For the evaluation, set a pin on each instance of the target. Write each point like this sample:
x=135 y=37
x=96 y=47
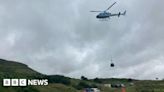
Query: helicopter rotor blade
x=95 y=11
x=111 y=6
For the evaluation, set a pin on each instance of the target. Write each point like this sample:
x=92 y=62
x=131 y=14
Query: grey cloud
x=63 y=37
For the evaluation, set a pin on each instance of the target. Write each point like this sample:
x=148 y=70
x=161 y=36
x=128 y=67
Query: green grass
x=56 y=88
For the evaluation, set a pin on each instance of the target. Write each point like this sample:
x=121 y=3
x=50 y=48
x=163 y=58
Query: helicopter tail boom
x=119 y=14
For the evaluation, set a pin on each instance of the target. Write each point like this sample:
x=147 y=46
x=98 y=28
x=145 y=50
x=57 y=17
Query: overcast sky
x=63 y=37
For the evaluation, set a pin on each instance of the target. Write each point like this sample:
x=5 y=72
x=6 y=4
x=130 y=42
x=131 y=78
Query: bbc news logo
x=25 y=82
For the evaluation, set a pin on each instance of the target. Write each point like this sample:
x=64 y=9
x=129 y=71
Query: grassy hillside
x=11 y=69
x=58 y=83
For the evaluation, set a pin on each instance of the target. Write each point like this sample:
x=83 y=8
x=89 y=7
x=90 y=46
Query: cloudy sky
x=63 y=37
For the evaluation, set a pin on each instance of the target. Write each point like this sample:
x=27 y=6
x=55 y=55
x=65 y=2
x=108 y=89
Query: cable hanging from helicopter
x=112 y=64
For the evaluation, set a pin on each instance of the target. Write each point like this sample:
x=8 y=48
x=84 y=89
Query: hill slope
x=11 y=69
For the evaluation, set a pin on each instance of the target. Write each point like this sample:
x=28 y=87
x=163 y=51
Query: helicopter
x=104 y=14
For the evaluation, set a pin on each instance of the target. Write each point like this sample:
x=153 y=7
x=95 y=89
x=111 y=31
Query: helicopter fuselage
x=103 y=15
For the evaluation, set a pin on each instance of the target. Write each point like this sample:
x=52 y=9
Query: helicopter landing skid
x=105 y=19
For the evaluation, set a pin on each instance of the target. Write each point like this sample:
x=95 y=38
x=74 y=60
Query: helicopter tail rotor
x=124 y=13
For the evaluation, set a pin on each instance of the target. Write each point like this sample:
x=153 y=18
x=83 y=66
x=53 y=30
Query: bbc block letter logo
x=14 y=82
x=6 y=82
x=22 y=82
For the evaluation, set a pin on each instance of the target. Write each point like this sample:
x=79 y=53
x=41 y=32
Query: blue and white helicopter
x=105 y=14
